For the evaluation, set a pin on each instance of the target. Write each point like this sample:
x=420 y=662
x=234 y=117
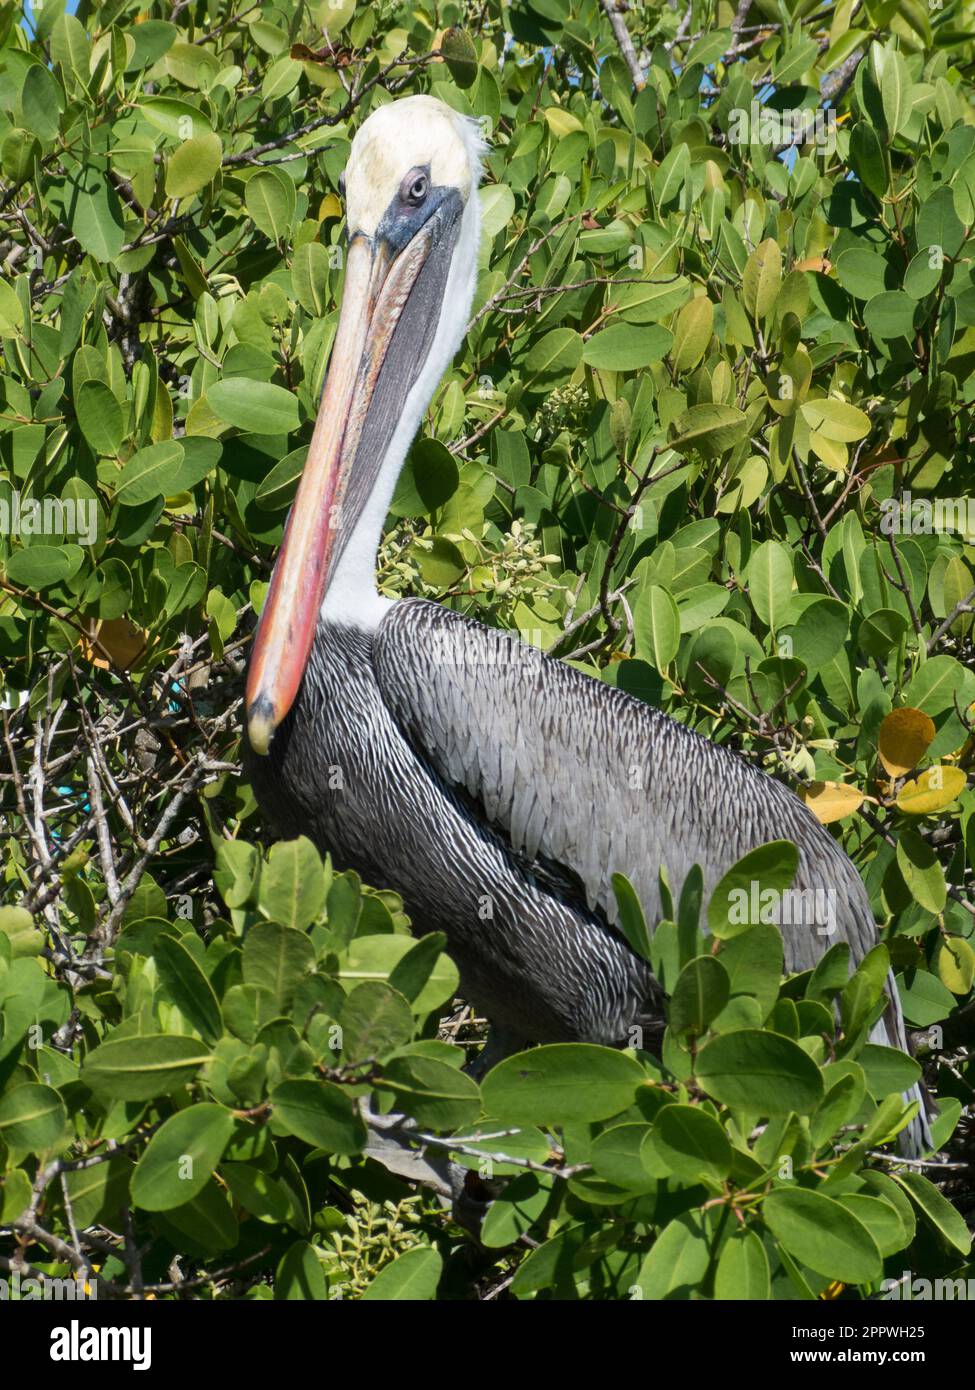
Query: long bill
x=377 y=287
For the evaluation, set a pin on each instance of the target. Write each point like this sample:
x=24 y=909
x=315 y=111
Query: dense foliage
x=709 y=437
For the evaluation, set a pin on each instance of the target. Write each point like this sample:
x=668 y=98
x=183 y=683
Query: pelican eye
x=414 y=188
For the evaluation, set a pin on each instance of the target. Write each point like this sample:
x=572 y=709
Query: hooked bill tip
x=261 y=725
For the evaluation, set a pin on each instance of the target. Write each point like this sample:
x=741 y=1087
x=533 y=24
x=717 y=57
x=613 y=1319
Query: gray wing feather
x=594 y=780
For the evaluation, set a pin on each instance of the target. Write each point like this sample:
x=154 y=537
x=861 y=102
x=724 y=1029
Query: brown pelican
x=495 y=789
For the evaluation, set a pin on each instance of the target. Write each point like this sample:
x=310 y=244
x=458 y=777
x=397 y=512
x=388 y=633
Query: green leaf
x=743 y=1272
x=924 y=999
x=437 y=1095
x=656 y=627
x=206 y=1223
x=178 y=119
x=819 y=632
x=881 y=1219
x=236 y=871
x=863 y=273
x=259 y=407
x=270 y=198
x=670 y=177
x=258 y=1192
x=151 y=472
x=938 y=684
x=96 y=215
x=42 y=101
x=40 y=566
x=617 y=1156
x=923 y=275
x=762 y=278
x=936 y=1209
x=770 y=583
x=17 y=926
x=292 y=887
x=692 y=333
x=837 y=1107
x=299 y=1275
x=562 y=1083
x=321 y=1114
x=625 y=347
x=141 y=1068
x=442 y=563
x=701 y=992
x=11 y=311
x=515 y=1210
x=412 y=1276
x=375 y=1019
x=895 y=92
x=692 y=1144
x=921 y=870
x=414 y=971
x=193 y=165
x=70 y=47
x=632 y=922
x=867 y=158
x=938 y=224
x=888 y=1070
x=281 y=78
x=429 y=479
x=98 y=1193
x=100 y=416
x=309 y=275
x=678 y=1261
x=32 y=1117
x=822 y=1235
x=713 y=429
x=189 y=989
x=378 y=957
x=751 y=892
x=836 y=420
x=890 y=315
x=460 y=55
x=181 y=1157
x=761 y=1072
x=277 y=958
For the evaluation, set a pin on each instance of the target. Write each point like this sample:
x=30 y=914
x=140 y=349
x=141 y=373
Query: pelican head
x=412 y=225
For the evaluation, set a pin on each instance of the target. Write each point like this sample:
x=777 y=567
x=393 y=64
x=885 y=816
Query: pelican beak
x=390 y=310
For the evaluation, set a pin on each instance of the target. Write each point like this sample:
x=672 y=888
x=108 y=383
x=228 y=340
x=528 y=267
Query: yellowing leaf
x=761 y=278
x=831 y=801
x=936 y=788
x=193 y=165
x=956 y=965
x=829 y=451
x=836 y=420
x=117 y=642
x=904 y=737
x=561 y=123
x=692 y=333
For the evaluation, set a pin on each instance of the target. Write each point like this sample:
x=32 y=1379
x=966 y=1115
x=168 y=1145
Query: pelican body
x=495 y=789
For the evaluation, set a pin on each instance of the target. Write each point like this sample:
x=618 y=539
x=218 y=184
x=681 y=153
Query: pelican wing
x=579 y=773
